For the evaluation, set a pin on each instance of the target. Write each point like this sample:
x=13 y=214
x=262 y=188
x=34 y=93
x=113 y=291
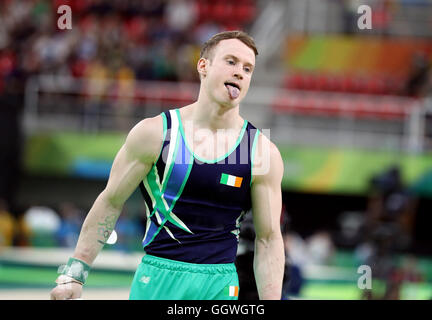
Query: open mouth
x=233 y=89
x=232 y=84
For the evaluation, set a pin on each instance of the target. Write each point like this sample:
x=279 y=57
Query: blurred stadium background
x=350 y=110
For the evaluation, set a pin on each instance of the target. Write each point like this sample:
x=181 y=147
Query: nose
x=238 y=74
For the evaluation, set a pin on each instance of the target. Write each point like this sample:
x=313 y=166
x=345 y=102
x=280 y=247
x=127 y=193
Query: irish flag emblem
x=232 y=291
x=230 y=180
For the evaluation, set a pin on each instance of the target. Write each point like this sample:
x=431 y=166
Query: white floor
x=44 y=294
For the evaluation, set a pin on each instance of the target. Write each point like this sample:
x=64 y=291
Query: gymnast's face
x=226 y=74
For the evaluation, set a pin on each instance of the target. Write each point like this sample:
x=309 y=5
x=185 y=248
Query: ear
x=202 y=66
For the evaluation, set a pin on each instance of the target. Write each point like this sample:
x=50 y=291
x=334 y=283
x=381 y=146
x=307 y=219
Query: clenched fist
x=67 y=288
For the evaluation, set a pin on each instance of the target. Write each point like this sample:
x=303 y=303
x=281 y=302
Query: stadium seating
x=242 y=12
x=377 y=84
x=362 y=78
x=315 y=103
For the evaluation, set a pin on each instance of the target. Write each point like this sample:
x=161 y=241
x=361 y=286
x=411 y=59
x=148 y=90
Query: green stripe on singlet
x=156 y=190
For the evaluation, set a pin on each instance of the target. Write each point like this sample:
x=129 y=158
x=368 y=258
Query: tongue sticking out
x=233 y=91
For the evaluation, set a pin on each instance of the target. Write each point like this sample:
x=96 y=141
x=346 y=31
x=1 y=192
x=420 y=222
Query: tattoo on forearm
x=105 y=228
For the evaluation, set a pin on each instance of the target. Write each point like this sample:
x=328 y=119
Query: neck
x=210 y=114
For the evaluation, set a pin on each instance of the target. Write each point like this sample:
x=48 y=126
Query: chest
x=211 y=144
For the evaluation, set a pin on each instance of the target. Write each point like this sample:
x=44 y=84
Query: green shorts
x=164 y=279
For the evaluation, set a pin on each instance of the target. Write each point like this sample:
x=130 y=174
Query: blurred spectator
x=205 y=31
x=418 y=83
x=410 y=270
x=398 y=276
x=391 y=210
x=187 y=57
x=393 y=288
x=296 y=258
x=110 y=42
x=350 y=227
x=7 y=225
x=11 y=135
x=128 y=231
x=350 y=15
x=387 y=229
x=297 y=248
x=125 y=77
x=71 y=221
x=363 y=252
x=180 y=14
x=22 y=231
x=44 y=223
x=320 y=248
x=382 y=15
x=106 y=30
x=97 y=86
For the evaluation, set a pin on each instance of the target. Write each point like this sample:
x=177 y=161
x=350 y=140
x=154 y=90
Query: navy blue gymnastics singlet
x=195 y=206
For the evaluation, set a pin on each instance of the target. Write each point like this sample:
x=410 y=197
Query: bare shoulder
x=266 y=144
x=268 y=163
x=144 y=140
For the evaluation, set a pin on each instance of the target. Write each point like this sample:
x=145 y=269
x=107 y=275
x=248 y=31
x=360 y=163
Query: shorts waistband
x=175 y=265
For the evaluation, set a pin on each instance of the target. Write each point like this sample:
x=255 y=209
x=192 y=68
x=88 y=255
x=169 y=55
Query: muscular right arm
x=131 y=164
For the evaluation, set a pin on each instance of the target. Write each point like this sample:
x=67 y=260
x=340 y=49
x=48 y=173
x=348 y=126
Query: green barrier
x=43 y=239
x=43 y=277
x=57 y=153
x=307 y=169
x=348 y=171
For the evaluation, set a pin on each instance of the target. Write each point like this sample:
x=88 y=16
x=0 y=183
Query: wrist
x=75 y=269
x=63 y=279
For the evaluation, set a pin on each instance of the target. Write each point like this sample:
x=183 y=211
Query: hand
x=67 y=288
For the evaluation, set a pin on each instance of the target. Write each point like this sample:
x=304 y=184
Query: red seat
x=294 y=81
x=244 y=13
x=221 y=12
x=204 y=11
x=322 y=82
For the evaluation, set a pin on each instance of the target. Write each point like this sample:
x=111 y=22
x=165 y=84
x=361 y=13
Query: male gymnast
x=200 y=168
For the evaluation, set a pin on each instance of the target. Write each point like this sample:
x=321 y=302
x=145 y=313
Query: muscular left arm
x=269 y=259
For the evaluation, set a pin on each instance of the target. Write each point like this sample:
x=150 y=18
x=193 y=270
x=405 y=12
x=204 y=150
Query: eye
x=248 y=70
x=231 y=62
